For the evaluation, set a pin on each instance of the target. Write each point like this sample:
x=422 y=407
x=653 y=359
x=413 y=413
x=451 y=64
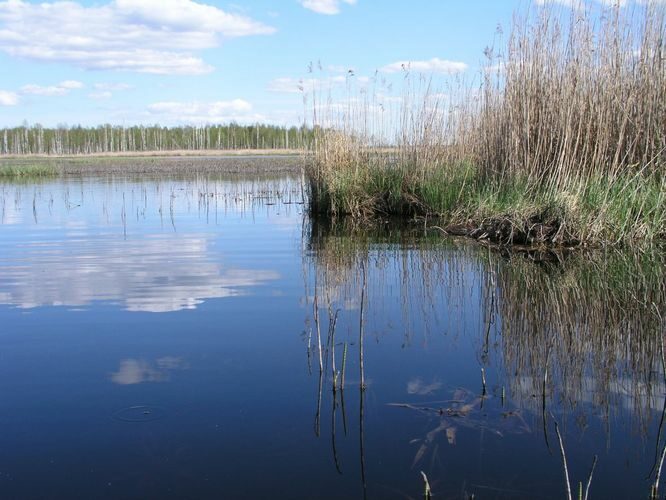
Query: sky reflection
x=70 y=244
x=137 y=371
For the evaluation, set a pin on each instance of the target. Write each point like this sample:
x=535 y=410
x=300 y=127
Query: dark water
x=159 y=339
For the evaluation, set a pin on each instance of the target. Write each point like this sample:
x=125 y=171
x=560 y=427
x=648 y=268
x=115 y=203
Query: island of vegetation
x=563 y=142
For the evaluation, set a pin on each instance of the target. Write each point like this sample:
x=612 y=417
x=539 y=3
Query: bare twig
x=589 y=479
x=564 y=460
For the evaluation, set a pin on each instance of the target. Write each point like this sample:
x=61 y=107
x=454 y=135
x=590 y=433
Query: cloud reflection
x=136 y=371
x=158 y=274
x=417 y=386
x=148 y=245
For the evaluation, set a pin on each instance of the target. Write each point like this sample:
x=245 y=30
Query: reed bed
x=563 y=141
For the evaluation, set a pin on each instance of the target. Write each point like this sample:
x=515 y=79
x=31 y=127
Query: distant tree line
x=35 y=139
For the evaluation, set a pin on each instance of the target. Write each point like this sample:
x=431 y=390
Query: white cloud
x=104 y=90
x=580 y=4
x=101 y=95
x=236 y=105
x=572 y=4
x=189 y=16
x=146 y=36
x=8 y=98
x=499 y=68
x=298 y=85
x=329 y=7
x=63 y=88
x=434 y=65
x=71 y=84
x=387 y=99
x=112 y=86
x=196 y=112
x=33 y=89
x=286 y=85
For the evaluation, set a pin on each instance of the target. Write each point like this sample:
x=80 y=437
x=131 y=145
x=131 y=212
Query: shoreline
x=160 y=154
x=172 y=162
x=502 y=229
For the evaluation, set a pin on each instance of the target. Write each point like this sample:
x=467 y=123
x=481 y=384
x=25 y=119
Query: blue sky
x=190 y=62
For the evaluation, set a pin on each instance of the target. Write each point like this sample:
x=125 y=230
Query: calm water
x=160 y=338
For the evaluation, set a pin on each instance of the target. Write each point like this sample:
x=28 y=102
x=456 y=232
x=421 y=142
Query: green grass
x=594 y=210
x=27 y=171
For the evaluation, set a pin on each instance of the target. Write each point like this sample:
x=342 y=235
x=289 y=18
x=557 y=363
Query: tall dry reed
x=577 y=98
x=566 y=131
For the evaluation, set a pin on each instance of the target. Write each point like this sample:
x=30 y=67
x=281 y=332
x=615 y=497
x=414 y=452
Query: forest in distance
x=64 y=140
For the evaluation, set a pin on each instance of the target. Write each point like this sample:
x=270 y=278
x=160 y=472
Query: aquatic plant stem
x=543 y=399
x=362 y=441
x=333 y=426
x=564 y=461
x=589 y=478
x=332 y=321
x=427 y=492
x=344 y=364
x=655 y=487
x=361 y=321
x=315 y=307
x=317 y=421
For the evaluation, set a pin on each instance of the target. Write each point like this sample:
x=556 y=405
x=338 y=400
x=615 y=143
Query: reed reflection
x=575 y=336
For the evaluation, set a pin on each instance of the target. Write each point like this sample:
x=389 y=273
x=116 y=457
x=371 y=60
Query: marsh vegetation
x=26 y=170
x=562 y=141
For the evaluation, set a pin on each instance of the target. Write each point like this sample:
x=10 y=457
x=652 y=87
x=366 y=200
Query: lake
x=173 y=336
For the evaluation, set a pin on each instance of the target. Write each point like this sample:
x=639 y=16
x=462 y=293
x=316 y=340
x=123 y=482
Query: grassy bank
x=509 y=210
x=562 y=143
x=27 y=171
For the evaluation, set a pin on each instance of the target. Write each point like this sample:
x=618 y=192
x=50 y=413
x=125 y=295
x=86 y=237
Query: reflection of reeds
x=592 y=318
x=361 y=440
x=659 y=459
x=582 y=331
x=327 y=354
x=361 y=325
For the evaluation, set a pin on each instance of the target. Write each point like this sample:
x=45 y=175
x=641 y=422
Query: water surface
x=161 y=339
